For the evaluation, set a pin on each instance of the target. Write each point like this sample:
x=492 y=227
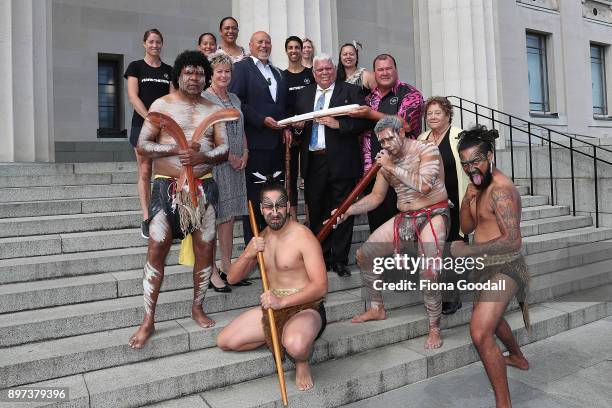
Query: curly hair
x=478 y=136
x=443 y=103
x=220 y=58
x=194 y=58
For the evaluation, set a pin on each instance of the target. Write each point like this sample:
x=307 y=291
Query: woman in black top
x=439 y=114
x=147 y=80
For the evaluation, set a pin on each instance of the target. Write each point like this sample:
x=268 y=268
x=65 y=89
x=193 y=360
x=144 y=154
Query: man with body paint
x=414 y=169
x=171 y=215
x=298 y=286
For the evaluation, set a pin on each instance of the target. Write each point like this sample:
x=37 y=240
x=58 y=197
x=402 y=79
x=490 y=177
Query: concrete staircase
x=71 y=295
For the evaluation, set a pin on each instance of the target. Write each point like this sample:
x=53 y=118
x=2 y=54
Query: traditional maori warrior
x=298 y=285
x=491 y=209
x=184 y=193
x=413 y=168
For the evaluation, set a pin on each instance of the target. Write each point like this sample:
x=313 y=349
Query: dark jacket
x=341 y=145
x=252 y=88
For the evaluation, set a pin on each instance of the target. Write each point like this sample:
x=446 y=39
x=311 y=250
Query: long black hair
x=341 y=70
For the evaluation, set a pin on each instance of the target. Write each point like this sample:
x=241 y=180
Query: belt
x=317 y=152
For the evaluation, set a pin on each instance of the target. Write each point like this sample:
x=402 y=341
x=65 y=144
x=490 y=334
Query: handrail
x=523 y=120
x=526 y=127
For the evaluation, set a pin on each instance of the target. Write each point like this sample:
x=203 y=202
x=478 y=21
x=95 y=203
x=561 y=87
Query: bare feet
x=519 y=362
x=200 y=317
x=303 y=379
x=139 y=339
x=374 y=313
x=434 y=339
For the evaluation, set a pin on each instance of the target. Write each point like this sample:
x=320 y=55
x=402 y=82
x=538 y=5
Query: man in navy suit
x=330 y=160
x=263 y=93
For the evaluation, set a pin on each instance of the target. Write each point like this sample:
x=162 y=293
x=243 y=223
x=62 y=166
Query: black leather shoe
x=243 y=282
x=222 y=289
x=449 y=308
x=341 y=269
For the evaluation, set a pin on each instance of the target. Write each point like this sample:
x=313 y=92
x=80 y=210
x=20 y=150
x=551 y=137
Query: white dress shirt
x=321 y=132
x=266 y=71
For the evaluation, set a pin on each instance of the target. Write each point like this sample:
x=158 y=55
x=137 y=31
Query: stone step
x=108 y=231
x=58 y=358
x=373 y=372
x=50 y=169
x=543 y=211
x=67 y=207
x=351 y=362
x=64 y=291
x=68 y=180
x=72 y=320
x=10 y=195
x=93 y=316
x=58 y=224
x=85 y=263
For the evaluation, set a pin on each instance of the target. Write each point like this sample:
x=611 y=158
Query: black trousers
x=323 y=194
x=265 y=162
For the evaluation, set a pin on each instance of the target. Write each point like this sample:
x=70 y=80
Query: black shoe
x=243 y=282
x=449 y=308
x=341 y=269
x=144 y=229
x=222 y=289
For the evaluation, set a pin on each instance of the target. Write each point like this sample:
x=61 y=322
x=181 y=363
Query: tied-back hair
x=341 y=70
x=478 y=136
x=272 y=183
x=147 y=33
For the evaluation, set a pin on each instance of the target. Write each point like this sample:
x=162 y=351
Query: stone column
x=455 y=49
x=26 y=79
x=315 y=19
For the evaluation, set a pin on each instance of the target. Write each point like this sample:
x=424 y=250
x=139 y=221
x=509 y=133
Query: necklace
x=437 y=140
x=227 y=98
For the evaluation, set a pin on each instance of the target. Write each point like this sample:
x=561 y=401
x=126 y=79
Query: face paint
x=192 y=79
x=473 y=168
x=391 y=141
x=275 y=212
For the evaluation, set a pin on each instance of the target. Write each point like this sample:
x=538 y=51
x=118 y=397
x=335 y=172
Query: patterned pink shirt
x=403 y=100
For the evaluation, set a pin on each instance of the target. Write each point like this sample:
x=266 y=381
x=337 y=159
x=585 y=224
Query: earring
x=491 y=166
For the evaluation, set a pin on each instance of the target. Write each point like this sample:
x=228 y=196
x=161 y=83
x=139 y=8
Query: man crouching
x=298 y=286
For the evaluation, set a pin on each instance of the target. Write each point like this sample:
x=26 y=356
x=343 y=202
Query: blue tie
x=314 y=137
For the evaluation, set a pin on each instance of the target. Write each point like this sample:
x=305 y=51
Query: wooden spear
x=275 y=343
x=363 y=183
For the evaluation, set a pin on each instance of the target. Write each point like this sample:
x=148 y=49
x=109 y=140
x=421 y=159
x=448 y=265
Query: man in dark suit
x=263 y=93
x=330 y=161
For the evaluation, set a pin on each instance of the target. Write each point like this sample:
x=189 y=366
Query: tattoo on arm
x=505 y=202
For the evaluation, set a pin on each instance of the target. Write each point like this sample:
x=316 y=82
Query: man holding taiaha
x=414 y=169
x=298 y=285
x=172 y=212
x=491 y=209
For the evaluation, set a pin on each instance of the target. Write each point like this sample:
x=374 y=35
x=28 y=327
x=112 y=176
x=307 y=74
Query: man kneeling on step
x=298 y=286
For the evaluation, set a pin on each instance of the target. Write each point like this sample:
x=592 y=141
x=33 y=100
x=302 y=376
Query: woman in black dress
x=147 y=80
x=439 y=114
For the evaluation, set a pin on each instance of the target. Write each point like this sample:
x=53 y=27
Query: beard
x=480 y=180
x=276 y=222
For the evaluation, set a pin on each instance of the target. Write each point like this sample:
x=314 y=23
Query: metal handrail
x=548 y=139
